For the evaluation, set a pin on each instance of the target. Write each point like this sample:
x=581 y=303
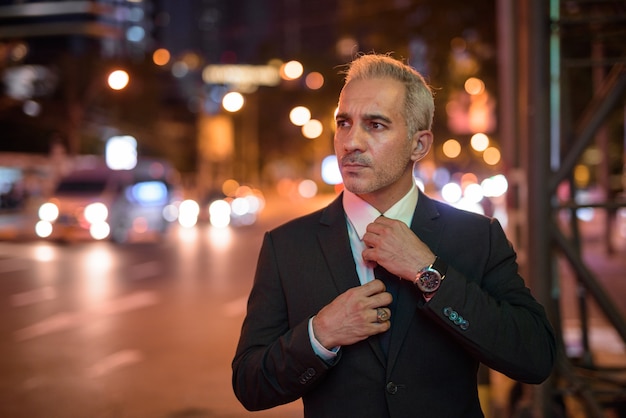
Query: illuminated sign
x=245 y=75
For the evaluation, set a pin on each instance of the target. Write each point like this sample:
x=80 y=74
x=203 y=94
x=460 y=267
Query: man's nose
x=355 y=138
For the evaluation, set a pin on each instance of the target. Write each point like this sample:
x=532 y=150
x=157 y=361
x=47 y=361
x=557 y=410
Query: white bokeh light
x=299 y=115
x=219 y=212
x=121 y=152
x=330 y=170
x=233 y=101
x=451 y=192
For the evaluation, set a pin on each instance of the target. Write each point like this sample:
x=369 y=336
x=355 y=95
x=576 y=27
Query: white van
x=95 y=202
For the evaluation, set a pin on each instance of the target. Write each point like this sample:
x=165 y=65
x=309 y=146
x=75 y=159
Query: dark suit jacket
x=482 y=313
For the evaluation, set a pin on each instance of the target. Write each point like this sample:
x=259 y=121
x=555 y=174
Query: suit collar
x=335 y=245
x=426 y=224
x=426 y=211
x=361 y=214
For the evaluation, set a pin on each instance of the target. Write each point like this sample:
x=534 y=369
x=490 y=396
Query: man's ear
x=422 y=141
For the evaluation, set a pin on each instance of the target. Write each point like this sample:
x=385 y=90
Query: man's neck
x=382 y=200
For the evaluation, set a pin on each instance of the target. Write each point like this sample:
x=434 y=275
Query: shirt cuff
x=322 y=352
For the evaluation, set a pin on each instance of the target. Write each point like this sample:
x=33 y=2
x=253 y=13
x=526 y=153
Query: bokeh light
x=451 y=192
x=299 y=115
x=121 y=152
x=307 y=188
x=99 y=230
x=188 y=212
x=291 y=70
x=330 y=170
x=582 y=175
x=495 y=186
x=312 y=129
x=467 y=179
x=219 y=212
x=229 y=187
x=492 y=156
x=31 y=108
x=479 y=142
x=451 y=148
x=233 y=101
x=474 y=86
x=473 y=193
x=43 y=229
x=314 y=80
x=135 y=33
x=118 y=79
x=96 y=212
x=161 y=57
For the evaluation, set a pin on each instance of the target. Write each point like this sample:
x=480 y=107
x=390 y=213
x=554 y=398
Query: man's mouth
x=352 y=162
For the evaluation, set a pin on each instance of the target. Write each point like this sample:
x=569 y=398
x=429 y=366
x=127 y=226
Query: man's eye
x=342 y=123
x=376 y=125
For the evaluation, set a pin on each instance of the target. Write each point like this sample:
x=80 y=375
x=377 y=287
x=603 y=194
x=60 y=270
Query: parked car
x=99 y=203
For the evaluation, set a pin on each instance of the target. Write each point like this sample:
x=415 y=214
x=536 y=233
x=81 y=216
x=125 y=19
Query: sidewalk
x=609 y=273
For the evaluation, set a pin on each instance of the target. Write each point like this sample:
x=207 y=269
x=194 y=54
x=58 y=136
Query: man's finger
x=373 y=288
x=383 y=315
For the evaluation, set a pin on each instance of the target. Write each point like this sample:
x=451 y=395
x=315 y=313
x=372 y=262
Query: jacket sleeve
x=274 y=362
x=485 y=304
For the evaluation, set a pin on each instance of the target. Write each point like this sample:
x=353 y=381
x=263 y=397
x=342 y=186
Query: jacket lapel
x=335 y=245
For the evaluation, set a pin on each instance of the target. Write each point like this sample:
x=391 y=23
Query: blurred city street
x=91 y=329
x=94 y=329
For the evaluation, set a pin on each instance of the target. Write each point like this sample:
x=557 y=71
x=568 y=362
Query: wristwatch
x=429 y=278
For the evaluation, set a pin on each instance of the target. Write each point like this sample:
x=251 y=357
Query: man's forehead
x=355 y=99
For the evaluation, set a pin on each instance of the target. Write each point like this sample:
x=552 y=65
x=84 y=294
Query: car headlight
x=96 y=212
x=48 y=212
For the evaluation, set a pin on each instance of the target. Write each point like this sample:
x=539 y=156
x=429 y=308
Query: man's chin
x=357 y=187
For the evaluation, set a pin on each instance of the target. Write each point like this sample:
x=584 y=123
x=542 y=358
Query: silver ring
x=381 y=315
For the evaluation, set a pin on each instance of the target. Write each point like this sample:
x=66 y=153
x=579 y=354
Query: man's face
x=372 y=143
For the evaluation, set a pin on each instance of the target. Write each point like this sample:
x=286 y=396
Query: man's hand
x=352 y=316
x=391 y=244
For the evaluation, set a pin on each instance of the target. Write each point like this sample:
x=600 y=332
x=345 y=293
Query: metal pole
x=538 y=169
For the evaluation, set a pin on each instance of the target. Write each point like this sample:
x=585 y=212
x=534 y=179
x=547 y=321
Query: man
x=321 y=324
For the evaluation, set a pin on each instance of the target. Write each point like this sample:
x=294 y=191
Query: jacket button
x=447 y=311
x=392 y=388
x=307 y=375
x=464 y=325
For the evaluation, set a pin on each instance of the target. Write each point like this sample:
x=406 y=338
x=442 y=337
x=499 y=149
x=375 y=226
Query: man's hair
x=419 y=102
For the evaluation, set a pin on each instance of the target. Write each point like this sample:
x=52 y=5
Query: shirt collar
x=360 y=213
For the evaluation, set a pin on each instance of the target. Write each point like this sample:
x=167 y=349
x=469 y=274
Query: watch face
x=429 y=281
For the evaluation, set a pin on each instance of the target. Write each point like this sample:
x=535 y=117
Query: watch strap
x=440 y=266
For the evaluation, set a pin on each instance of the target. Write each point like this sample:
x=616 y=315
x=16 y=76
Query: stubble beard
x=376 y=181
